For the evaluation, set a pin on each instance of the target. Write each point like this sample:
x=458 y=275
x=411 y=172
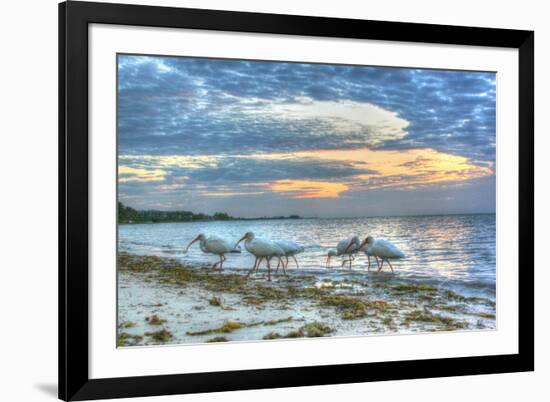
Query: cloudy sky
x=257 y=138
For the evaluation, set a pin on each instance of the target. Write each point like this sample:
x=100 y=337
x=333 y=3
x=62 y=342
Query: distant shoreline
x=276 y=218
x=129 y=215
x=309 y=217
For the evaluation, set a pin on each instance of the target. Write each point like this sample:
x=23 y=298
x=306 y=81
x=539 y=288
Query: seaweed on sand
x=350 y=308
x=275 y=322
x=215 y=301
x=412 y=288
x=444 y=322
x=272 y=335
x=217 y=339
x=230 y=326
x=128 y=262
x=126 y=339
x=154 y=320
x=259 y=294
x=306 y=292
x=161 y=336
x=315 y=329
x=311 y=330
x=353 y=308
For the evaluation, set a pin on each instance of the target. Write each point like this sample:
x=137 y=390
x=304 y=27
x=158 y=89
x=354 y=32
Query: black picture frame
x=74 y=18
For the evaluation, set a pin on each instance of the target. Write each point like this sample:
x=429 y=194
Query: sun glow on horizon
x=405 y=169
x=399 y=168
x=308 y=188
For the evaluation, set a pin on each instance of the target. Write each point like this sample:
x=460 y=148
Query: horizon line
x=289 y=216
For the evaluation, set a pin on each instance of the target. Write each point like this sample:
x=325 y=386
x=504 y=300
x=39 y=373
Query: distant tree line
x=275 y=217
x=128 y=214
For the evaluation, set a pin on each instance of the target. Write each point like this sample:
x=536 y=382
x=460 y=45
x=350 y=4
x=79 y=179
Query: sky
x=258 y=138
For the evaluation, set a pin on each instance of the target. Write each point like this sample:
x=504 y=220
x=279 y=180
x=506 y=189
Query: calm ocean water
x=455 y=251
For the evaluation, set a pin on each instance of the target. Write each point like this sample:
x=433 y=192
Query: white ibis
x=381 y=248
x=346 y=247
x=261 y=249
x=369 y=255
x=213 y=245
x=290 y=249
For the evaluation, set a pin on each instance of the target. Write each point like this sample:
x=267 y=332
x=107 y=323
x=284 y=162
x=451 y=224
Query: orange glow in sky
x=309 y=188
x=393 y=168
x=406 y=169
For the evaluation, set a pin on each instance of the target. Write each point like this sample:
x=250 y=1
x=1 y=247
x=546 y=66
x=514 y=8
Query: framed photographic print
x=258 y=201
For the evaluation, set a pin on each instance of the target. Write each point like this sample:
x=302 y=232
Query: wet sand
x=161 y=301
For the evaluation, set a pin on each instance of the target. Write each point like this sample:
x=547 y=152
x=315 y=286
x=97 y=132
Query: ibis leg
x=218 y=263
x=259 y=263
x=253 y=268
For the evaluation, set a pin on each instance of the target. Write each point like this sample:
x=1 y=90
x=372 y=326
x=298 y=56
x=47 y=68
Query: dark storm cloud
x=189 y=106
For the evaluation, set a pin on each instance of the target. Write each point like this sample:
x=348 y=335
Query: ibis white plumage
x=290 y=249
x=260 y=249
x=383 y=249
x=347 y=247
x=213 y=245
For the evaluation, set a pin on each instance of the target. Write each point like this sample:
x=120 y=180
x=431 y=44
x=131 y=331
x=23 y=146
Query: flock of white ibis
x=382 y=250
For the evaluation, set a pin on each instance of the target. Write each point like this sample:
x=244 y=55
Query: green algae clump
x=272 y=335
x=446 y=323
x=215 y=301
x=311 y=330
x=217 y=339
x=228 y=326
x=410 y=288
x=154 y=320
x=350 y=308
x=126 y=339
x=161 y=336
x=315 y=330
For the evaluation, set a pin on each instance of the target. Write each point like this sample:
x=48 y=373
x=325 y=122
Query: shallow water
x=457 y=251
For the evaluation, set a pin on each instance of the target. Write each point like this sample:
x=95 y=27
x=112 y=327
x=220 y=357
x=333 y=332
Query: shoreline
x=311 y=217
x=162 y=301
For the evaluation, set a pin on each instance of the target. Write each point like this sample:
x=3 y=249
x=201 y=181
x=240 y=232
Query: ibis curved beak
x=327 y=264
x=348 y=247
x=363 y=244
x=189 y=245
x=240 y=240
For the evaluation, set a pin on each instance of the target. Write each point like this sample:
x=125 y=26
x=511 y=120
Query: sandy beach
x=162 y=301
